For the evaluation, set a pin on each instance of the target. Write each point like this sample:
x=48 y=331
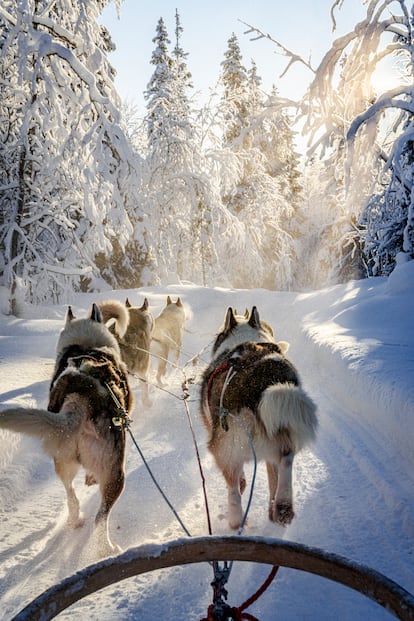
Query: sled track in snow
x=143 y=559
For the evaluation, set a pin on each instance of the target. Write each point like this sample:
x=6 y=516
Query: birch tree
x=63 y=201
x=388 y=218
x=345 y=122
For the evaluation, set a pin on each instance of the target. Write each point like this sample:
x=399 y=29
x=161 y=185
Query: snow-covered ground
x=354 y=489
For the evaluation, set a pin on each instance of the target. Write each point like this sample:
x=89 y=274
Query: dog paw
x=235 y=518
x=282 y=513
x=75 y=522
x=107 y=548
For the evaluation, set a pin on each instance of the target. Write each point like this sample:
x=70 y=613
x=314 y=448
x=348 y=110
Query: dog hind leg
x=280 y=488
x=234 y=482
x=111 y=488
x=146 y=401
x=67 y=471
x=162 y=364
x=272 y=478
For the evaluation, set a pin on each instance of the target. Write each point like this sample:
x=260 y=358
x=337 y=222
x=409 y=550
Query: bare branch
x=336 y=4
x=285 y=51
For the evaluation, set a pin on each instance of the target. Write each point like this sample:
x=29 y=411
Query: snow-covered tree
x=388 y=218
x=235 y=95
x=345 y=124
x=64 y=198
x=176 y=189
x=253 y=178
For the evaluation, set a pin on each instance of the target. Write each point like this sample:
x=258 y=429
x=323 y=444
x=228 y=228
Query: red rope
x=262 y=589
x=238 y=614
x=220 y=369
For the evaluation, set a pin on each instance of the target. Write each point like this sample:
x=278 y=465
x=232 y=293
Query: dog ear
x=246 y=314
x=169 y=301
x=145 y=304
x=128 y=303
x=69 y=315
x=254 y=320
x=96 y=314
x=283 y=346
x=178 y=302
x=230 y=320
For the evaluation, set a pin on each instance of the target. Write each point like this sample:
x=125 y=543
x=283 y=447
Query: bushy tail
x=287 y=406
x=112 y=309
x=40 y=423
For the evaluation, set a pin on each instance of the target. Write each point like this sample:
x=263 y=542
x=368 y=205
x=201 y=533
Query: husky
x=251 y=399
x=167 y=335
x=84 y=424
x=133 y=329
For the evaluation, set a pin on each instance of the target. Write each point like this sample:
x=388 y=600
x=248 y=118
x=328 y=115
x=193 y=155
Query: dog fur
x=79 y=427
x=264 y=401
x=135 y=340
x=167 y=336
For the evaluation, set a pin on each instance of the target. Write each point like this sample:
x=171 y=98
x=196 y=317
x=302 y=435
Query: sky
x=353 y=346
x=304 y=27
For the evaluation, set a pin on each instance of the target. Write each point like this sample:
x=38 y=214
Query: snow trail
x=352 y=489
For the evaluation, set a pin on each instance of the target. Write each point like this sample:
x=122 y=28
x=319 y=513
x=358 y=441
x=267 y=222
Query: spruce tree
x=177 y=191
x=252 y=189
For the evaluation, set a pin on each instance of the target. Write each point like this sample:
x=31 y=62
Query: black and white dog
x=251 y=390
x=82 y=425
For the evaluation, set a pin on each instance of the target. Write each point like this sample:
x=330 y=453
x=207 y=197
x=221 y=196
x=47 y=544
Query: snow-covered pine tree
x=177 y=191
x=262 y=255
x=63 y=198
x=235 y=96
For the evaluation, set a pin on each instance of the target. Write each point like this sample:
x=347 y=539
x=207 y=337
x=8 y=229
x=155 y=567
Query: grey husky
x=83 y=425
x=133 y=329
x=251 y=399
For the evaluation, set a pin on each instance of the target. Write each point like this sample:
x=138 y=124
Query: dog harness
x=105 y=370
x=240 y=358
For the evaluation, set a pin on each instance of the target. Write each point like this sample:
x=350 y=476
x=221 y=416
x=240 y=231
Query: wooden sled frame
x=146 y=558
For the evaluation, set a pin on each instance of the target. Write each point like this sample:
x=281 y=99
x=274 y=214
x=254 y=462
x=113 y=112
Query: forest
x=93 y=197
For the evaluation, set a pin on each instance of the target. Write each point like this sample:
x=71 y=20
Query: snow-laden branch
x=71 y=271
x=7 y=17
x=55 y=28
x=47 y=47
x=388 y=100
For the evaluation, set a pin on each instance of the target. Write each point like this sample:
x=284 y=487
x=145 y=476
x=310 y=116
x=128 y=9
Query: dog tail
x=112 y=309
x=40 y=423
x=287 y=407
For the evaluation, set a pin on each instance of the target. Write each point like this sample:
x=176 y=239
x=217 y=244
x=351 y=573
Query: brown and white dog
x=251 y=399
x=133 y=329
x=167 y=336
x=82 y=425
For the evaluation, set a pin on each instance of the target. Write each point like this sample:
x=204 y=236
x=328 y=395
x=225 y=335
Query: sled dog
x=82 y=426
x=251 y=397
x=167 y=335
x=135 y=340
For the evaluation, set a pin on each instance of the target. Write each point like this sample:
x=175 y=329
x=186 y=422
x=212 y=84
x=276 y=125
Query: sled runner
x=143 y=559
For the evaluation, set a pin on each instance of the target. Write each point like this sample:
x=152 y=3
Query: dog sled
x=276 y=552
